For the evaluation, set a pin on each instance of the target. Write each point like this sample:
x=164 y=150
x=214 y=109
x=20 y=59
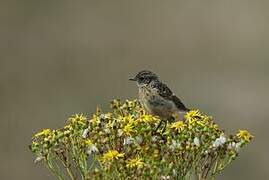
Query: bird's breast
x=155 y=104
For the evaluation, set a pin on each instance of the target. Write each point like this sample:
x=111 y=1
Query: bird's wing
x=165 y=92
x=179 y=104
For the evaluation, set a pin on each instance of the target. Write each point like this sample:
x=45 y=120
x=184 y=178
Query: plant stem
x=70 y=173
x=51 y=168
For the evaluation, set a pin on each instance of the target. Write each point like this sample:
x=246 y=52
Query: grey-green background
x=62 y=57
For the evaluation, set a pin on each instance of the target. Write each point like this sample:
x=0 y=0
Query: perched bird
x=156 y=98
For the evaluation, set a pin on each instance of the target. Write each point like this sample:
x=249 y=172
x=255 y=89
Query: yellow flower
x=88 y=143
x=201 y=123
x=95 y=119
x=147 y=118
x=131 y=103
x=44 y=132
x=111 y=155
x=107 y=115
x=78 y=118
x=245 y=135
x=67 y=127
x=126 y=119
x=193 y=115
x=115 y=104
x=156 y=153
x=179 y=126
x=128 y=129
x=136 y=162
x=215 y=127
x=129 y=119
x=110 y=124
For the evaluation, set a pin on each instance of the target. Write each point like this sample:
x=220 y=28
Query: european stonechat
x=156 y=98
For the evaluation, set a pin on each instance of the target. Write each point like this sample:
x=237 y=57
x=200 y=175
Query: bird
x=156 y=98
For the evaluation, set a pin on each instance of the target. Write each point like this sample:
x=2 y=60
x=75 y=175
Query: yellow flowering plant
x=123 y=144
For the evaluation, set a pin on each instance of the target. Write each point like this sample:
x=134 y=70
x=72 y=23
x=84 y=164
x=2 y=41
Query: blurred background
x=62 y=57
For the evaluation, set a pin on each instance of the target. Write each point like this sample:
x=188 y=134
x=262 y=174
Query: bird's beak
x=132 y=79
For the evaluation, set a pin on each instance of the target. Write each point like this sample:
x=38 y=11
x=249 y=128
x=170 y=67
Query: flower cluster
x=124 y=143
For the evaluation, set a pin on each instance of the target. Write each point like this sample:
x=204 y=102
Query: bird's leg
x=172 y=119
x=159 y=125
x=163 y=130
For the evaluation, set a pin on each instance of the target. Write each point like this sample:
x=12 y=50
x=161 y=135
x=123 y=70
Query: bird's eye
x=144 y=80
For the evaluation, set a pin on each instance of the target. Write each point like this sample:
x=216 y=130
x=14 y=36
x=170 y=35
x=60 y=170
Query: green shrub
x=122 y=144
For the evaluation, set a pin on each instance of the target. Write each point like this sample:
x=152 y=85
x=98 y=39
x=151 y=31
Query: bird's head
x=144 y=77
